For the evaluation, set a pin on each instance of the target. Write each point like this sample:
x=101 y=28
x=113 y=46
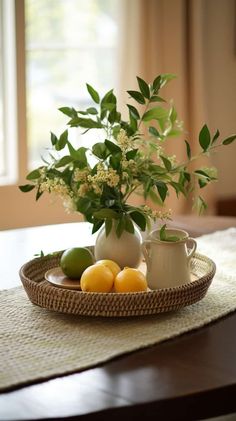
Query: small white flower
x=124 y=141
x=81 y=175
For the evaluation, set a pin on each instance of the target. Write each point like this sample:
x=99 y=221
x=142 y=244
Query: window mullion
x=21 y=88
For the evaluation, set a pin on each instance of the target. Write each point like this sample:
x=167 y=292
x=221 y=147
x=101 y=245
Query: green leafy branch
x=127 y=160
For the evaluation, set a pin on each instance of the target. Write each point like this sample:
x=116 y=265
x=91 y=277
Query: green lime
x=75 y=260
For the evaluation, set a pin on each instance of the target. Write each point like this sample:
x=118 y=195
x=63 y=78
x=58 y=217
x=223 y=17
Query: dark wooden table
x=188 y=378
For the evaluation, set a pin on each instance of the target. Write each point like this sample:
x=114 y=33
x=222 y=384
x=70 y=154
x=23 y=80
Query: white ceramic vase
x=126 y=250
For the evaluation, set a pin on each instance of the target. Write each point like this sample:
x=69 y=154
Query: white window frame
x=8 y=36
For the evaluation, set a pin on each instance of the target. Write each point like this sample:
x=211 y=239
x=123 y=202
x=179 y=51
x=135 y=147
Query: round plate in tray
x=66 y=300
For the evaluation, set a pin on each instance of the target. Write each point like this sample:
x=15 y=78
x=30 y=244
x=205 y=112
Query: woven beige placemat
x=36 y=344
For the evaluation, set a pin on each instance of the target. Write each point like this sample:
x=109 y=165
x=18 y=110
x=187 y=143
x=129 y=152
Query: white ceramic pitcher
x=168 y=263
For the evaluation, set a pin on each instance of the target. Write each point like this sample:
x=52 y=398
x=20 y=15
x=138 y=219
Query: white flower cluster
x=81 y=175
x=157 y=214
x=124 y=142
x=131 y=164
x=55 y=185
x=103 y=175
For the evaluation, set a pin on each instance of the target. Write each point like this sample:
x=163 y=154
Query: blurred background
x=50 y=49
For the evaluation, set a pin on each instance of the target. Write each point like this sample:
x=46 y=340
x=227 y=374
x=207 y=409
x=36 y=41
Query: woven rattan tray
x=46 y=295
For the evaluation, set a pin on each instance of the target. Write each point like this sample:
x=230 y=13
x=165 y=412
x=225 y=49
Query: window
x=68 y=43
x=60 y=45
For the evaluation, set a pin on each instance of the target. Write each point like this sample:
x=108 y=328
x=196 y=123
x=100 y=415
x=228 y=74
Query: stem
x=130 y=192
x=193 y=158
x=145 y=110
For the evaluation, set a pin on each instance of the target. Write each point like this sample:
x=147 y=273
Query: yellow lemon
x=97 y=278
x=75 y=260
x=130 y=280
x=113 y=266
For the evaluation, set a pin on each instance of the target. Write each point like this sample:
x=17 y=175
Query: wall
x=220 y=79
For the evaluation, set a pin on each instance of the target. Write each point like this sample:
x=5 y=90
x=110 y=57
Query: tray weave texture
x=38 y=344
x=44 y=294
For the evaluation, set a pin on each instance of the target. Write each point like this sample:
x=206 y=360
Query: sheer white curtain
x=166 y=36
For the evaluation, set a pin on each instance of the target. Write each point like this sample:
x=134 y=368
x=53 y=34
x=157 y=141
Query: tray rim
x=88 y=297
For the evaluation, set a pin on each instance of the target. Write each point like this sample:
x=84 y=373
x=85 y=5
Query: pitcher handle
x=193 y=248
x=145 y=250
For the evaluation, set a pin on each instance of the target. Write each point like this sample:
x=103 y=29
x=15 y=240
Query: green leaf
x=106 y=213
x=33 y=175
x=166 y=77
x=174 y=132
x=187 y=176
x=137 y=96
x=108 y=226
x=108 y=102
x=70 y=112
x=72 y=150
x=156 y=98
x=117 y=119
x=133 y=123
x=38 y=194
x=163 y=233
x=92 y=110
x=78 y=155
x=200 y=205
x=153 y=131
x=64 y=161
x=202 y=183
x=178 y=187
x=139 y=219
x=165 y=237
x=81 y=156
x=83 y=204
x=166 y=162
x=173 y=115
x=154 y=197
x=114 y=161
x=62 y=141
x=107 y=107
x=129 y=226
x=134 y=112
x=204 y=137
x=229 y=140
x=131 y=154
x=97 y=225
x=94 y=94
x=172 y=238
x=188 y=149
x=144 y=88
x=112 y=115
x=103 y=113
x=156 y=113
x=120 y=227
x=203 y=174
x=82 y=112
x=26 y=188
x=100 y=150
x=86 y=123
x=162 y=189
x=156 y=84
x=215 y=137
x=109 y=97
x=53 y=139
x=113 y=148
